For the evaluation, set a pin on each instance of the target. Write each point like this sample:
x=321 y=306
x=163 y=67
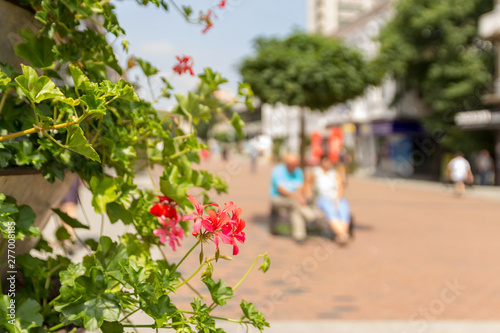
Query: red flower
x=206 y=18
x=185 y=65
x=166 y=207
x=171 y=229
x=222 y=4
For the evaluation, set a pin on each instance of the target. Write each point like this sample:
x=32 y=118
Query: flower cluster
x=166 y=213
x=207 y=20
x=224 y=224
x=185 y=65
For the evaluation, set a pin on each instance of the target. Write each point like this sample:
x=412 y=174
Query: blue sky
x=158 y=36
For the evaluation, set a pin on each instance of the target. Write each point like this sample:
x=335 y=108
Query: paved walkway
x=422 y=261
x=420 y=255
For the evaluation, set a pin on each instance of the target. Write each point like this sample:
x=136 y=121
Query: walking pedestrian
x=459 y=172
x=484 y=165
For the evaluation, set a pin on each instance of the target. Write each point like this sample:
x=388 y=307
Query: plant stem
x=189 y=278
x=131 y=313
x=41 y=129
x=248 y=271
x=185 y=151
x=58 y=326
x=4 y=98
x=47 y=281
x=181 y=278
x=150 y=89
x=102 y=225
x=185 y=256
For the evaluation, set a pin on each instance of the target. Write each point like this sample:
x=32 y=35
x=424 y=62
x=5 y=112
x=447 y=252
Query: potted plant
x=69 y=112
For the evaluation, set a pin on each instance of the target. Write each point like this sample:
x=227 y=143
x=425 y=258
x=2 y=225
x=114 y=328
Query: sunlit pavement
x=422 y=260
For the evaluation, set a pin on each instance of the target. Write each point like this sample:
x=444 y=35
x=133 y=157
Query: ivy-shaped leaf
x=253 y=315
x=94 y=104
x=104 y=191
x=147 y=68
x=4 y=80
x=218 y=290
x=37 y=89
x=95 y=305
x=26 y=315
x=37 y=50
x=77 y=142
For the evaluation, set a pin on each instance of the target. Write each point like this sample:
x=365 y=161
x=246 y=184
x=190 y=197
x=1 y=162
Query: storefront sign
x=478 y=119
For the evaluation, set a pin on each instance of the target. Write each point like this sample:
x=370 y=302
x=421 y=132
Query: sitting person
x=326 y=186
x=287 y=181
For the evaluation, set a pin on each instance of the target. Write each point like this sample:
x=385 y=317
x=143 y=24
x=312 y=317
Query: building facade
x=327 y=16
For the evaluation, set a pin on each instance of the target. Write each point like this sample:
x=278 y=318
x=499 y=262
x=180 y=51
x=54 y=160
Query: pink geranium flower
x=198 y=214
x=220 y=225
x=170 y=229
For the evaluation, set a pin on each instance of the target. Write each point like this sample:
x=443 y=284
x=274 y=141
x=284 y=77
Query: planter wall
x=12 y=19
x=30 y=188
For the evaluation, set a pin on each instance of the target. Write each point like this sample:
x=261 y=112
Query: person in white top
x=326 y=186
x=459 y=172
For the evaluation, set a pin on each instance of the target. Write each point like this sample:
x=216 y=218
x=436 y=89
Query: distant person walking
x=287 y=182
x=459 y=172
x=484 y=165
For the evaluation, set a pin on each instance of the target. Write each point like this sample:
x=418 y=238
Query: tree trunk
x=302 y=150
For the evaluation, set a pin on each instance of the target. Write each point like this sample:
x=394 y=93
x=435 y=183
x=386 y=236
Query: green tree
x=309 y=71
x=432 y=46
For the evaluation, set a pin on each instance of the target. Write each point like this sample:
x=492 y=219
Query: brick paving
x=419 y=254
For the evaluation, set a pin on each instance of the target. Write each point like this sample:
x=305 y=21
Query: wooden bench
x=279 y=223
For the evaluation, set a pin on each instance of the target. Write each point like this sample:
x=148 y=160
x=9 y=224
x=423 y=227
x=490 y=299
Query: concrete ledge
x=375 y=326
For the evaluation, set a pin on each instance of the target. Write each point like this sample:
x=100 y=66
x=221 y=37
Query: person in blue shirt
x=287 y=182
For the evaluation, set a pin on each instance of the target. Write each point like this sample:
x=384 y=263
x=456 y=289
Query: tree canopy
x=432 y=46
x=304 y=70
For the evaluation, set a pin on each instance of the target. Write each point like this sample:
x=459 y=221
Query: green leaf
x=238 y=124
x=147 y=68
x=37 y=89
x=25 y=221
x=4 y=80
x=187 y=10
x=104 y=191
x=186 y=104
x=219 y=291
x=253 y=315
x=162 y=310
x=266 y=264
x=173 y=185
x=43 y=245
x=114 y=327
x=5 y=156
x=27 y=155
x=110 y=255
x=95 y=306
x=94 y=104
x=26 y=314
x=62 y=234
x=80 y=80
x=74 y=223
x=77 y=142
x=37 y=50
x=116 y=211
